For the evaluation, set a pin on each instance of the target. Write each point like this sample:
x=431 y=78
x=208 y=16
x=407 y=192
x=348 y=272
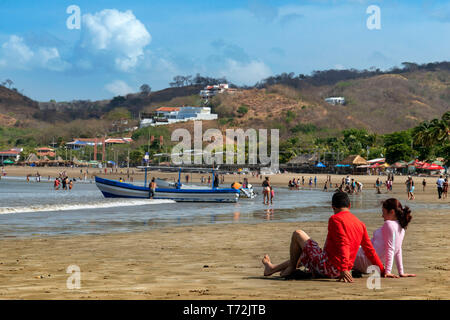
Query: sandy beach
x=218 y=261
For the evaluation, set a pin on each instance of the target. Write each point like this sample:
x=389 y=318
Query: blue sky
x=123 y=44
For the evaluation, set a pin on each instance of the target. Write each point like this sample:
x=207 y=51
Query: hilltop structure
x=335 y=100
x=168 y=115
x=211 y=91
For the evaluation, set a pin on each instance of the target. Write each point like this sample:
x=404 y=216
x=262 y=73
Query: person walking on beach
x=440 y=186
x=272 y=195
x=56 y=184
x=445 y=189
x=408 y=187
x=424 y=184
x=346 y=233
x=411 y=190
x=152 y=188
x=266 y=190
x=378 y=185
x=315 y=181
x=303 y=180
x=70 y=184
x=388 y=239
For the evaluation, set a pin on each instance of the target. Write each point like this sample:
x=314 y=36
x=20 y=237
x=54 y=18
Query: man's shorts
x=316 y=260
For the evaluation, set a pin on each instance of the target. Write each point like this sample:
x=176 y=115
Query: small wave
x=66 y=207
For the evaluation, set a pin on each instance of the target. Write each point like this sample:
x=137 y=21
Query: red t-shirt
x=345 y=234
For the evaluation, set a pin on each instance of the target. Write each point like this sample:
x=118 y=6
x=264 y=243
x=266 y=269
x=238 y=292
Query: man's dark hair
x=340 y=200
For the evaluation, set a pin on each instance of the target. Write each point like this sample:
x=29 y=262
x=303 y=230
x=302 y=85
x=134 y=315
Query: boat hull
x=115 y=189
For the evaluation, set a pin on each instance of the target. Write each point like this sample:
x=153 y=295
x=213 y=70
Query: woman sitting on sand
x=388 y=239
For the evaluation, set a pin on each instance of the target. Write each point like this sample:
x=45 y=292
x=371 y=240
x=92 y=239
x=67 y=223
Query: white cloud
x=16 y=54
x=245 y=73
x=118 y=88
x=119 y=35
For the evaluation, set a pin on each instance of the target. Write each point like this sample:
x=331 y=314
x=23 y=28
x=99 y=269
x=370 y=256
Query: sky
x=116 y=46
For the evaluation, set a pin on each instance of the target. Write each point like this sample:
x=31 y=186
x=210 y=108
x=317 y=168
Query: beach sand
x=212 y=262
x=218 y=261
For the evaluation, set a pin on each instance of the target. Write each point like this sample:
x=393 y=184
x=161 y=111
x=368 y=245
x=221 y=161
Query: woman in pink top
x=388 y=239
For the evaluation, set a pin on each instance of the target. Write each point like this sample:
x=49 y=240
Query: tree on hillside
x=145 y=89
x=7 y=82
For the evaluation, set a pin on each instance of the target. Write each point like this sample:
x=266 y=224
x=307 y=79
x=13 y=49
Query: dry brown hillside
x=382 y=104
x=14 y=106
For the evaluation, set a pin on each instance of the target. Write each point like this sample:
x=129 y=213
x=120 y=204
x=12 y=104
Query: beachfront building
x=168 y=115
x=79 y=143
x=10 y=155
x=335 y=100
x=45 y=152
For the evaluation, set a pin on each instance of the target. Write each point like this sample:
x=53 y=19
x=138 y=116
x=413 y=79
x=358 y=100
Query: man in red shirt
x=345 y=234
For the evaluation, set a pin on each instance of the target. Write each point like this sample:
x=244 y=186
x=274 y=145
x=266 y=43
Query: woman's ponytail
x=403 y=214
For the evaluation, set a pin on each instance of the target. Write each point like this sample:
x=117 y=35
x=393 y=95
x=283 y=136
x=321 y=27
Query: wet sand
x=212 y=262
x=218 y=261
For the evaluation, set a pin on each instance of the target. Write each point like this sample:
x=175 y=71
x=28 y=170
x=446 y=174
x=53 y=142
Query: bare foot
x=268 y=266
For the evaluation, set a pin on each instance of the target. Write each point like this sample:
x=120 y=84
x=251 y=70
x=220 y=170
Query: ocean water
x=35 y=209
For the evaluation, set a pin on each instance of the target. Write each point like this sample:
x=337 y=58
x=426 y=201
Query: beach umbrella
x=342 y=165
x=399 y=164
x=424 y=166
x=8 y=161
x=434 y=167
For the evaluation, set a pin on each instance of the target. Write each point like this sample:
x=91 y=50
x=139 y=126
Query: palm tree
x=422 y=134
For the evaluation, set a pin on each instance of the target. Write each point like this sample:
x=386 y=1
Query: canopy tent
x=320 y=165
x=8 y=161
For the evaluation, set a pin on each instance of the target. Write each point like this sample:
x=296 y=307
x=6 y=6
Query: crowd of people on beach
x=348 y=251
x=63 y=182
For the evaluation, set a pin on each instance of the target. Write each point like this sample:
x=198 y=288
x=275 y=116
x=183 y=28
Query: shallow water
x=34 y=209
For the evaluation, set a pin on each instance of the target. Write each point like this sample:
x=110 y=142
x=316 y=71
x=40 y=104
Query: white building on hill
x=211 y=91
x=167 y=115
x=335 y=100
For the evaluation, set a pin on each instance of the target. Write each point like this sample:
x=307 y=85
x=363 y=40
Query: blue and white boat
x=166 y=190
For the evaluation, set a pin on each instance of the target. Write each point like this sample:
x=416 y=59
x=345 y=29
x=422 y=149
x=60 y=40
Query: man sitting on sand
x=345 y=234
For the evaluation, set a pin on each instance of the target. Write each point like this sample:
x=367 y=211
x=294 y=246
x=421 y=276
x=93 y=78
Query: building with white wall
x=335 y=100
